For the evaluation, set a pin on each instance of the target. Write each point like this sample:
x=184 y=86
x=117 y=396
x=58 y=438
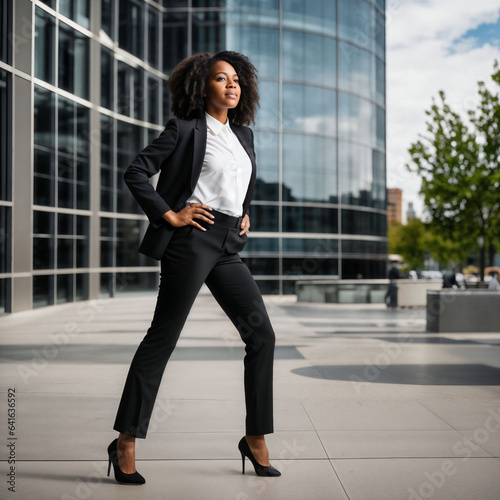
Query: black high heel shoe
x=260 y=470
x=120 y=476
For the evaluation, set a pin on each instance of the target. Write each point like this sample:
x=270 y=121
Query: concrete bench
x=463 y=311
x=411 y=293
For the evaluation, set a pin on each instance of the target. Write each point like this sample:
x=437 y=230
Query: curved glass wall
x=319 y=205
x=95 y=81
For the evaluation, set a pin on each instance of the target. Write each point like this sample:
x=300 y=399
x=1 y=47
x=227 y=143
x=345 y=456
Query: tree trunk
x=491 y=254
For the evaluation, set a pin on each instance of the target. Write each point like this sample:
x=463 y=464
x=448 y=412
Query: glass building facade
x=85 y=85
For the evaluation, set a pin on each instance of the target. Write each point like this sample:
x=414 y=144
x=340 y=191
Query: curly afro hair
x=188 y=79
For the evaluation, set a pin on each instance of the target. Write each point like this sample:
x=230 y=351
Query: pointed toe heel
x=121 y=477
x=260 y=470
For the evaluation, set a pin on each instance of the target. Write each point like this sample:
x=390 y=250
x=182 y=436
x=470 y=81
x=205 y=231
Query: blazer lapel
x=199 y=148
x=248 y=148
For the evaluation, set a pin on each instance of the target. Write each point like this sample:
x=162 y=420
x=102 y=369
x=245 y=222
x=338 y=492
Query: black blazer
x=178 y=153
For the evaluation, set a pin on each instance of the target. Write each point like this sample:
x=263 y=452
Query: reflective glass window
x=309 y=58
x=43 y=240
x=379 y=191
x=207 y=33
x=310 y=220
x=170 y=4
x=128 y=237
x=107 y=164
x=310 y=266
x=129 y=144
x=108 y=17
x=43 y=291
x=44 y=46
x=44 y=119
x=380 y=4
x=318 y=15
x=380 y=35
x=73 y=61
x=82 y=241
x=44 y=147
x=107 y=242
x=135 y=282
x=107 y=78
x=73 y=159
x=264 y=217
x=356 y=70
x=64 y=288
x=309 y=109
x=5 y=239
x=5 y=137
x=65 y=253
x=356 y=19
x=362 y=222
x=380 y=126
x=364 y=247
x=76 y=10
x=50 y=3
x=131 y=91
x=130 y=31
x=366 y=268
x=309 y=168
x=268 y=112
x=175 y=39
x=268 y=287
x=66 y=126
x=357 y=119
x=267 y=157
x=153 y=37
x=207 y=3
x=317 y=246
x=260 y=45
x=358 y=175
x=153 y=89
x=5 y=29
x=263 y=245
x=254 y=12
x=5 y=295
x=262 y=266
x=44 y=177
x=380 y=82
x=82 y=286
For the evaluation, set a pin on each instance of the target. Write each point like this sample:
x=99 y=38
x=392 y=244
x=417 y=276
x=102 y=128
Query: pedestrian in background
x=391 y=296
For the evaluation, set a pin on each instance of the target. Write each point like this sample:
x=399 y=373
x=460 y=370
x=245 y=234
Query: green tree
x=417 y=240
x=409 y=241
x=459 y=164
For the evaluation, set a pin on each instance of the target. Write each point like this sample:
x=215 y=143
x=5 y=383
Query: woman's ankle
x=125 y=441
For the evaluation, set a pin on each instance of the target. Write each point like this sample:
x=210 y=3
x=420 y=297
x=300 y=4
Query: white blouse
x=226 y=171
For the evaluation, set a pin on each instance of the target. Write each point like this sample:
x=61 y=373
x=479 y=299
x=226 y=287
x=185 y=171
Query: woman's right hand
x=187 y=216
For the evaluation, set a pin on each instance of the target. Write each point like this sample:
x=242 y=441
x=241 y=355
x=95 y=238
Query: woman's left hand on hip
x=245 y=225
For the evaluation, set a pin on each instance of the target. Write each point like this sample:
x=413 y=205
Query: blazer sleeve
x=148 y=163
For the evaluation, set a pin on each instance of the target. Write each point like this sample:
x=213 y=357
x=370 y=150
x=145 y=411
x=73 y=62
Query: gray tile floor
x=367 y=405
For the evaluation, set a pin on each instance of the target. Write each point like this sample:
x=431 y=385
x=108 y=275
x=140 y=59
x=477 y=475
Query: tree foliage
x=459 y=164
x=416 y=241
x=409 y=241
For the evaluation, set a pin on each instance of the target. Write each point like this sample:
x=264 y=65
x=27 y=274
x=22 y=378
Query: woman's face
x=222 y=91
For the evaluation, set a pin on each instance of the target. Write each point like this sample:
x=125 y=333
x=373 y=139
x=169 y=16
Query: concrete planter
x=463 y=311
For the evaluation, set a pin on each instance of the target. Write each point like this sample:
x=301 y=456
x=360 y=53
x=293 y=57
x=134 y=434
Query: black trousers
x=391 y=296
x=192 y=258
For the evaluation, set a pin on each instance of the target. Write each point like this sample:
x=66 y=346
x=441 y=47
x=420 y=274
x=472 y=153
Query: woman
x=198 y=223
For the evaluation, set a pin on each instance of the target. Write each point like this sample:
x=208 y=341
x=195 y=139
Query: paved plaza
x=368 y=405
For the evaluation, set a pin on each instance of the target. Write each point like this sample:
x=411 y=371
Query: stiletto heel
x=121 y=477
x=242 y=462
x=260 y=470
